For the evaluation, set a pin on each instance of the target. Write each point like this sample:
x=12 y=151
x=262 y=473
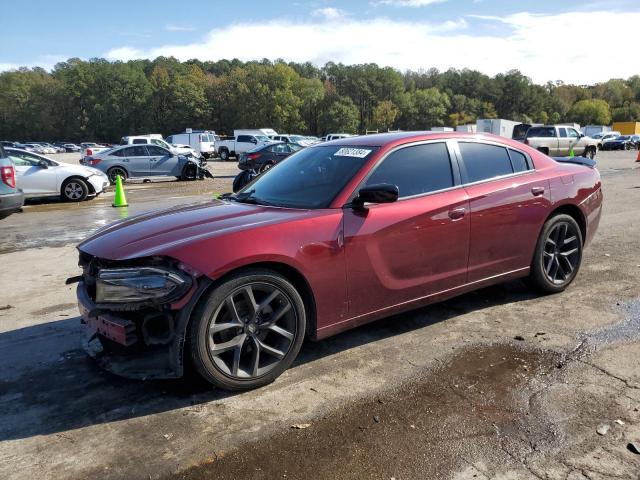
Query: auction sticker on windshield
x=352 y=152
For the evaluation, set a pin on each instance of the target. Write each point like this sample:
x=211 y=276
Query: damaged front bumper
x=139 y=343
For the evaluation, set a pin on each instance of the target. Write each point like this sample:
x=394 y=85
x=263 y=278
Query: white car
x=40 y=176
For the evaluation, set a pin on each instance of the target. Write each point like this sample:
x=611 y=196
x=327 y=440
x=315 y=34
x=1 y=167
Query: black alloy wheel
x=558 y=254
x=248 y=331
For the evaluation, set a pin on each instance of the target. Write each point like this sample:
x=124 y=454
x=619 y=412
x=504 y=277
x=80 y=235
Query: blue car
x=11 y=197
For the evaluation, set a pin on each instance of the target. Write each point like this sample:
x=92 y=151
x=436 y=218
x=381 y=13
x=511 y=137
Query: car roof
x=384 y=139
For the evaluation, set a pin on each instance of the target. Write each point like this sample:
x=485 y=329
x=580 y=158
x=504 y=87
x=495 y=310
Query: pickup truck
x=89 y=149
x=560 y=140
x=240 y=144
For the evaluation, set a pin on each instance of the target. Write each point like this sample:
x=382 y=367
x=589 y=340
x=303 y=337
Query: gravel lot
x=498 y=383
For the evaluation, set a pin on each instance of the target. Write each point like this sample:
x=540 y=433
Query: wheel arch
x=118 y=165
x=574 y=212
x=77 y=177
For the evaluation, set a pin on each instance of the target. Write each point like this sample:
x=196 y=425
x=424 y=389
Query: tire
x=227 y=358
x=224 y=155
x=242 y=179
x=590 y=152
x=113 y=172
x=544 y=150
x=558 y=255
x=189 y=172
x=266 y=166
x=74 y=190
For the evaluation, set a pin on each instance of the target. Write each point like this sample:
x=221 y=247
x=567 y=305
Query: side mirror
x=581 y=135
x=253 y=140
x=43 y=164
x=378 y=193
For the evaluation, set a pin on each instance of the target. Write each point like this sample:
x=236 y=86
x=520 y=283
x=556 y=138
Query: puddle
x=624 y=331
x=424 y=429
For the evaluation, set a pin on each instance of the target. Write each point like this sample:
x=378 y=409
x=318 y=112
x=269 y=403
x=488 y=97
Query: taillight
x=92 y=161
x=9 y=176
x=526 y=141
x=89 y=151
x=253 y=156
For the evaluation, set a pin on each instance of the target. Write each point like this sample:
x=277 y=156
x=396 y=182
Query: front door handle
x=537 y=191
x=457 y=213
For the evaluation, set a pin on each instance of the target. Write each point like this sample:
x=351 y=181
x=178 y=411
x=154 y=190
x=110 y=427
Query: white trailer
x=471 y=128
x=591 y=130
x=268 y=132
x=441 y=129
x=497 y=126
x=202 y=141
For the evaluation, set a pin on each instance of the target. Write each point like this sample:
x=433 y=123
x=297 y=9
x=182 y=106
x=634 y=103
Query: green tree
x=384 y=115
x=341 y=116
x=590 y=112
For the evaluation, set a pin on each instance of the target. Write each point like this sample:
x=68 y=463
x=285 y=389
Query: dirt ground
x=496 y=384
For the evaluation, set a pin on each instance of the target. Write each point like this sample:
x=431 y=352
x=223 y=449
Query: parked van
x=268 y=132
x=156 y=139
x=202 y=141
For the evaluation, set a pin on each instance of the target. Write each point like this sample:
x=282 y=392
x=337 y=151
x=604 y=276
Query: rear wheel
x=114 y=172
x=544 y=150
x=266 y=167
x=590 y=152
x=558 y=255
x=74 y=190
x=224 y=155
x=248 y=331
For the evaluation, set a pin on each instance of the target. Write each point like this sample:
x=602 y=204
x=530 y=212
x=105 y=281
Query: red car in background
x=337 y=235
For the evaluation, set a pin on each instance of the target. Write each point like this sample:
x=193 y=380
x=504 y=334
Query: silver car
x=144 y=161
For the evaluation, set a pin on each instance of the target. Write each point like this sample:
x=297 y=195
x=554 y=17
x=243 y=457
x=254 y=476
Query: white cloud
x=179 y=28
x=407 y=3
x=328 y=13
x=543 y=47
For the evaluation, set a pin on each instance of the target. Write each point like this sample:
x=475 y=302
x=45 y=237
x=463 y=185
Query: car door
x=508 y=202
x=564 y=143
x=31 y=177
x=576 y=142
x=415 y=247
x=137 y=160
x=162 y=161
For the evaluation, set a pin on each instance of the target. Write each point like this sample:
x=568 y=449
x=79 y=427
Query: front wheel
x=114 y=172
x=248 y=331
x=558 y=255
x=590 y=153
x=74 y=190
x=224 y=155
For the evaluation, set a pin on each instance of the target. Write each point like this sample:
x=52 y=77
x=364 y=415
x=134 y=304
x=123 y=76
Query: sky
x=581 y=42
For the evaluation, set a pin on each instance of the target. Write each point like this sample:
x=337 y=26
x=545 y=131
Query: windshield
x=263 y=138
x=296 y=138
x=310 y=178
x=624 y=137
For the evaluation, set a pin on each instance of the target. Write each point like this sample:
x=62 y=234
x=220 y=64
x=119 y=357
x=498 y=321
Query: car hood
x=80 y=169
x=161 y=232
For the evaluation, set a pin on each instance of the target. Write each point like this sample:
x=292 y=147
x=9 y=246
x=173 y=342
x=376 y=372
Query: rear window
x=483 y=161
x=138 y=141
x=541 y=132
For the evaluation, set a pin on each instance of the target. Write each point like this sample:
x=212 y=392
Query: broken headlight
x=142 y=284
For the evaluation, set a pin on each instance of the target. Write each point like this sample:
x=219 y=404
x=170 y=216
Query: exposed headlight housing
x=140 y=285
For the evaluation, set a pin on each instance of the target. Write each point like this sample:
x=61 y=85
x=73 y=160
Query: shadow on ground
x=48 y=385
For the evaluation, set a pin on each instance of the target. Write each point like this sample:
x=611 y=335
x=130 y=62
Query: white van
x=202 y=141
x=267 y=132
x=156 y=139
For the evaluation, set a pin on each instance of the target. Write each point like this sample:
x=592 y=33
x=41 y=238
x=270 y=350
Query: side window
x=416 y=170
x=572 y=133
x=483 y=161
x=244 y=138
x=169 y=139
x=138 y=141
x=157 y=151
x=20 y=161
x=119 y=153
x=563 y=132
x=135 y=152
x=519 y=161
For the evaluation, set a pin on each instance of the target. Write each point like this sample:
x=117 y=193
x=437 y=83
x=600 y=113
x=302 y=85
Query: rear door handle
x=537 y=191
x=457 y=213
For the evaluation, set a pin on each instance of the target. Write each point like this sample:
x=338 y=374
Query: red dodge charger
x=337 y=235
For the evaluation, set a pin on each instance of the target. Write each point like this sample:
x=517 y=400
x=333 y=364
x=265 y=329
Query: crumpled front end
x=133 y=327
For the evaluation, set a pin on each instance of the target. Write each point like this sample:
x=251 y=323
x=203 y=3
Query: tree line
x=102 y=101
